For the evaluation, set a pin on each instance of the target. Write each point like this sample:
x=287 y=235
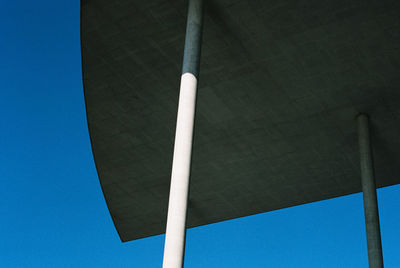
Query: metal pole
x=375 y=257
x=174 y=249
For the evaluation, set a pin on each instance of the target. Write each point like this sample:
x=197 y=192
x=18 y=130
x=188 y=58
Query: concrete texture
x=281 y=83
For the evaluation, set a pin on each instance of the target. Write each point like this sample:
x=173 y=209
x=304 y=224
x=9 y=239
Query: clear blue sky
x=52 y=209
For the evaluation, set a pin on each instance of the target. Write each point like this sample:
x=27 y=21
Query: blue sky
x=52 y=209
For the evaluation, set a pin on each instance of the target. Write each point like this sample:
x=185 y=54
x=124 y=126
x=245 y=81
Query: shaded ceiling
x=281 y=83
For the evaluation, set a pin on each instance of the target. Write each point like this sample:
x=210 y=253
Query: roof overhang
x=280 y=87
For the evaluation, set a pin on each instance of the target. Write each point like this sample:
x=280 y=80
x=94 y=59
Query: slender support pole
x=375 y=257
x=174 y=249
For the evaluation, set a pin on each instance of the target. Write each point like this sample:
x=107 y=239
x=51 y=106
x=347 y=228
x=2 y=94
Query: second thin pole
x=174 y=248
x=374 y=243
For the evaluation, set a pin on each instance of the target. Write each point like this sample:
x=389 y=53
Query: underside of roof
x=281 y=83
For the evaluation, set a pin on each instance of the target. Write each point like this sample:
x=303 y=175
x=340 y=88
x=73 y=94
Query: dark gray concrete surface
x=281 y=84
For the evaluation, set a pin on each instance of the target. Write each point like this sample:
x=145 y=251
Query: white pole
x=174 y=249
x=175 y=235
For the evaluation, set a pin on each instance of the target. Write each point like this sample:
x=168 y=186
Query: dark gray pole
x=194 y=26
x=374 y=244
x=174 y=248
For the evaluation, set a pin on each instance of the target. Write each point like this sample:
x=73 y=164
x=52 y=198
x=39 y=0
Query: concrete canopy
x=281 y=83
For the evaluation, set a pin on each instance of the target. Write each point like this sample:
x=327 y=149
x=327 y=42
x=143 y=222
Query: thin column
x=174 y=249
x=369 y=193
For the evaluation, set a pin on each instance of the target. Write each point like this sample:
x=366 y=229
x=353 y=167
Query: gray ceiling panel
x=281 y=83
